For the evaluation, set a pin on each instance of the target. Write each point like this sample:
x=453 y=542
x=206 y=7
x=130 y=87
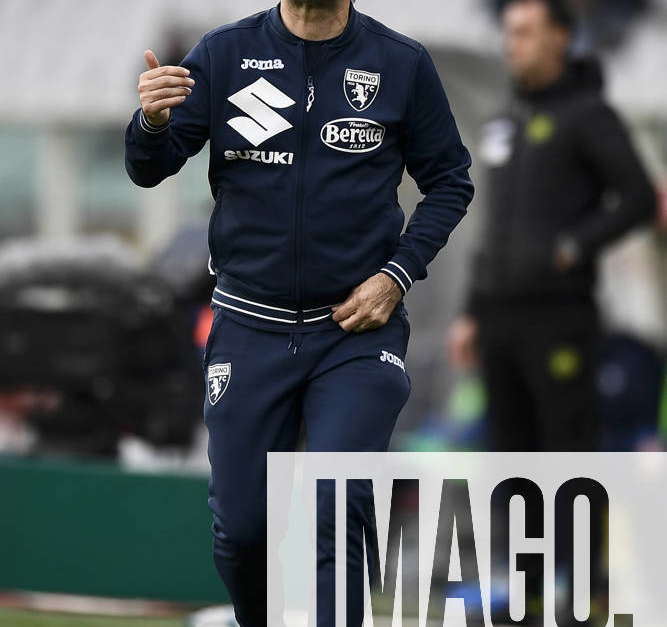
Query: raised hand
x=161 y=88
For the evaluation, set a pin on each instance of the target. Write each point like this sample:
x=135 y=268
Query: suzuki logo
x=263 y=122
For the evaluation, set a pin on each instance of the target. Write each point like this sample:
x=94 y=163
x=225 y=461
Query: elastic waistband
x=224 y=298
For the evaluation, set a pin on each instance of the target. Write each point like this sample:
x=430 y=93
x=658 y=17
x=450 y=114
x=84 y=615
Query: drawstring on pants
x=295 y=341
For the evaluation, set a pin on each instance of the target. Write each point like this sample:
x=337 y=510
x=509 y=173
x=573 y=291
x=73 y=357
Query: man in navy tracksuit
x=313 y=111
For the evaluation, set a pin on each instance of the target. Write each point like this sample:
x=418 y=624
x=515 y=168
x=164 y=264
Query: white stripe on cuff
x=393 y=263
x=151 y=128
x=405 y=291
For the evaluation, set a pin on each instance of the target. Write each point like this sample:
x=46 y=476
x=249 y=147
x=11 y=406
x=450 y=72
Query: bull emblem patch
x=218 y=380
x=361 y=88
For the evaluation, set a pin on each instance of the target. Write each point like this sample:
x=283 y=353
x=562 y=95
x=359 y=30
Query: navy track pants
x=263 y=385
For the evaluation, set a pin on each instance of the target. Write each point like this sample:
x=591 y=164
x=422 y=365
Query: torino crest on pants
x=218 y=380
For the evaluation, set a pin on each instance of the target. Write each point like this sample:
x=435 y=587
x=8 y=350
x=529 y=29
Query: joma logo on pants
x=392 y=359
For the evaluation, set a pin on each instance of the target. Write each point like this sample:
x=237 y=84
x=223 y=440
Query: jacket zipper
x=311 y=94
x=298 y=214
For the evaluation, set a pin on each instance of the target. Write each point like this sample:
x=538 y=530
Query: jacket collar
x=345 y=37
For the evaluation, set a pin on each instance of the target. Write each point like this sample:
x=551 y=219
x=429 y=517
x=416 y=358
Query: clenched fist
x=161 y=88
x=369 y=306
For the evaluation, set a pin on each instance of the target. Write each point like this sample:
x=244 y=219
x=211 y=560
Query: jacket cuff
x=147 y=132
x=401 y=272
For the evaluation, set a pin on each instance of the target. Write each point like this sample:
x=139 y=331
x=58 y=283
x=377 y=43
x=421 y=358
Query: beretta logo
x=353 y=135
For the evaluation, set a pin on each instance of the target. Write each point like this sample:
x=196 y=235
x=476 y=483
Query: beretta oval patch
x=353 y=135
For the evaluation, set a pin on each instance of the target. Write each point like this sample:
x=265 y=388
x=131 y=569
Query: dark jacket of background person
x=561 y=167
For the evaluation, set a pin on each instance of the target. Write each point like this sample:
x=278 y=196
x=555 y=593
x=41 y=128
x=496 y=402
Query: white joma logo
x=263 y=122
x=390 y=358
x=262 y=64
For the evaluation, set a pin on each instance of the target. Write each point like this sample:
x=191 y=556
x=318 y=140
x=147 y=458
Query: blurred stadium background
x=99 y=414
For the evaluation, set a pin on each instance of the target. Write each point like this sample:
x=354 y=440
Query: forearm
x=438 y=161
x=429 y=229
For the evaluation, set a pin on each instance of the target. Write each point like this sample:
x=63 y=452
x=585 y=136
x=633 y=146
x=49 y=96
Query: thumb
x=151 y=60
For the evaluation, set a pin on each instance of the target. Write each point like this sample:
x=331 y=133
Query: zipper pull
x=311 y=94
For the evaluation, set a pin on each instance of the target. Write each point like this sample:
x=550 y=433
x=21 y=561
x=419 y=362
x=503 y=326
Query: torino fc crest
x=218 y=380
x=361 y=88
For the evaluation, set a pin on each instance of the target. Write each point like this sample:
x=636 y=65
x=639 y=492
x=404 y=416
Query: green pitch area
x=15 y=618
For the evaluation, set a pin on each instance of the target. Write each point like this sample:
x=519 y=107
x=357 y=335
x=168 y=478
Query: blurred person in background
x=564 y=182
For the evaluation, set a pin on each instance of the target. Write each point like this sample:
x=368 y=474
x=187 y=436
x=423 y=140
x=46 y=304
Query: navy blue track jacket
x=305 y=161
